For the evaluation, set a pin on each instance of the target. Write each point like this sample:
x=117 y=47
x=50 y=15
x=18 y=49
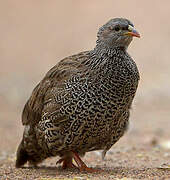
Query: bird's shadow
x=53 y=170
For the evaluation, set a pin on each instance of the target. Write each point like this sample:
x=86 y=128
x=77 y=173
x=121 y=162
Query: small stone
x=165 y=144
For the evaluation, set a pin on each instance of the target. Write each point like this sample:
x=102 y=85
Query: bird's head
x=117 y=32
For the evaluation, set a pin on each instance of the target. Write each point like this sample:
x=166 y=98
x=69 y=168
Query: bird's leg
x=67 y=162
x=81 y=165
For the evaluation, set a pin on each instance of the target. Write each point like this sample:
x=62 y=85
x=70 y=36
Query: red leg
x=67 y=162
x=81 y=165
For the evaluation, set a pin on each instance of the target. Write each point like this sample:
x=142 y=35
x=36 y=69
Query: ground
x=35 y=35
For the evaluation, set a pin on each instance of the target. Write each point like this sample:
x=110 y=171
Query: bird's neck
x=103 y=55
x=104 y=51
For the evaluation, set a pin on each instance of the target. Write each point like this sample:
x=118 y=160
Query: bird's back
x=54 y=80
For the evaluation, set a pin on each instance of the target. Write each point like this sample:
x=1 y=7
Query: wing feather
x=45 y=93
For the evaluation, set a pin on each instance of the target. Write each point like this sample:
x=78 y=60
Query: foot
x=67 y=163
x=81 y=165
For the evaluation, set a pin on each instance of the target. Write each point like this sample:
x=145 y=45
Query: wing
x=50 y=89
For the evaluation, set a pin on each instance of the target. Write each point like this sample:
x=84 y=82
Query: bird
x=83 y=103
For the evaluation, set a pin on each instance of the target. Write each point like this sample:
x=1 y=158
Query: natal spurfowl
x=83 y=102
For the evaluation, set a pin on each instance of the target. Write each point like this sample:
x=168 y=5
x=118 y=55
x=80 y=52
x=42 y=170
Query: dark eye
x=125 y=27
x=117 y=28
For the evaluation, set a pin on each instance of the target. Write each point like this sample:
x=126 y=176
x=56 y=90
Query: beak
x=132 y=32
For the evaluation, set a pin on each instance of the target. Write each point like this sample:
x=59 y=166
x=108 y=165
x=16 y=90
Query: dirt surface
x=35 y=35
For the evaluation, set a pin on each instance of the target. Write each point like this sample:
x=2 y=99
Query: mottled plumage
x=83 y=102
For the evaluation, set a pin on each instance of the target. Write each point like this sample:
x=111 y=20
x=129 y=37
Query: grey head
x=117 y=32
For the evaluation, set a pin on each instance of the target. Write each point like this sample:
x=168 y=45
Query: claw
x=81 y=165
x=67 y=163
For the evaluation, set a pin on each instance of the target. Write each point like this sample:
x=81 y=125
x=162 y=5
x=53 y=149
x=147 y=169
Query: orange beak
x=132 y=32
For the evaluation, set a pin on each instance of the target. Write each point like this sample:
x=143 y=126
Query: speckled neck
x=102 y=50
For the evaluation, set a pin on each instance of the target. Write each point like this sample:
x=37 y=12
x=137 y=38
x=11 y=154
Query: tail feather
x=22 y=156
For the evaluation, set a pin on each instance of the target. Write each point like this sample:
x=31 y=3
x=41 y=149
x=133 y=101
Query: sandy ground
x=35 y=35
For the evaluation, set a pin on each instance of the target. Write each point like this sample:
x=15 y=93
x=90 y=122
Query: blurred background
x=35 y=35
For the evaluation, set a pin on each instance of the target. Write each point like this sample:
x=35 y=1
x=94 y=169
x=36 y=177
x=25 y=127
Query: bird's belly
x=87 y=122
x=83 y=135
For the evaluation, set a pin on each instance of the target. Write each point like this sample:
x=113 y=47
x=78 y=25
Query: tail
x=29 y=152
x=22 y=155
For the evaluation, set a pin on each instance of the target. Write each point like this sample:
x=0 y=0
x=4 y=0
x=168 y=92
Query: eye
x=117 y=28
x=125 y=27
